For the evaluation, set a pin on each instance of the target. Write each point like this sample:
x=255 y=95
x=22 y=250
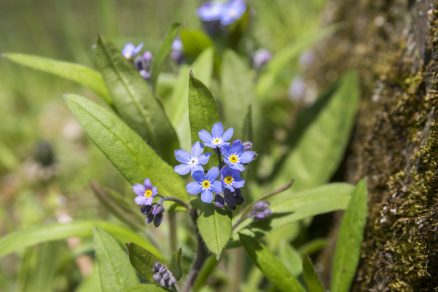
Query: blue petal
x=193 y=188
x=236 y=147
x=230 y=187
x=154 y=191
x=128 y=50
x=217 y=130
x=197 y=149
x=247 y=156
x=205 y=137
x=197 y=168
x=182 y=169
x=225 y=150
x=147 y=183
x=210 y=11
x=239 y=183
x=225 y=171
x=216 y=187
x=140 y=200
x=237 y=166
x=198 y=176
x=138 y=189
x=207 y=196
x=182 y=156
x=235 y=174
x=148 y=201
x=203 y=158
x=228 y=134
x=212 y=174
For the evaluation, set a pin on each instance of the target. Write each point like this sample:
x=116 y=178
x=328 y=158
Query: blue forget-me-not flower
x=206 y=184
x=217 y=138
x=129 y=51
x=231 y=178
x=145 y=193
x=235 y=155
x=193 y=161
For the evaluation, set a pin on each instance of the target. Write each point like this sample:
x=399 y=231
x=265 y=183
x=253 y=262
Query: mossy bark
x=394 y=45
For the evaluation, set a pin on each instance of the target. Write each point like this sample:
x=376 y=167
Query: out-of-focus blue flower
x=193 y=161
x=261 y=210
x=260 y=58
x=297 y=89
x=219 y=201
x=129 y=51
x=235 y=155
x=145 y=193
x=144 y=64
x=177 y=53
x=233 y=10
x=206 y=184
x=231 y=178
x=217 y=138
x=211 y=11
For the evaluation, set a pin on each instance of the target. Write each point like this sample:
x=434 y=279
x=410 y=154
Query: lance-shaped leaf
x=270 y=266
x=124 y=148
x=144 y=288
x=349 y=240
x=74 y=72
x=134 y=100
x=143 y=261
x=321 y=147
x=21 y=239
x=237 y=90
x=175 y=264
x=214 y=225
x=313 y=283
x=203 y=111
x=115 y=271
x=163 y=52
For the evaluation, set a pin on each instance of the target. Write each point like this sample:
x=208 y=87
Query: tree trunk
x=394 y=44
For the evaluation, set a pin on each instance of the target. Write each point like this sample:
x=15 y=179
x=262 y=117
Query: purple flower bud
x=149 y=218
x=157 y=209
x=238 y=197
x=247 y=146
x=260 y=58
x=177 y=53
x=145 y=210
x=297 y=89
x=157 y=220
x=230 y=199
x=163 y=276
x=129 y=51
x=261 y=210
x=219 y=201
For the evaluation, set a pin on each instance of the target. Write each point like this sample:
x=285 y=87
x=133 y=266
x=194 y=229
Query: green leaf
x=194 y=43
x=214 y=225
x=74 y=72
x=237 y=90
x=21 y=239
x=321 y=147
x=206 y=270
x=348 y=243
x=124 y=148
x=313 y=283
x=270 y=266
x=178 y=105
x=142 y=260
x=202 y=108
x=163 y=53
x=134 y=100
x=115 y=271
x=91 y=283
x=144 y=288
x=290 y=258
x=291 y=206
x=118 y=206
x=175 y=265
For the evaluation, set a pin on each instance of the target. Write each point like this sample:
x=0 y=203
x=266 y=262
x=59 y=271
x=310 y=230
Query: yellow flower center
x=148 y=193
x=228 y=180
x=206 y=184
x=233 y=158
x=217 y=141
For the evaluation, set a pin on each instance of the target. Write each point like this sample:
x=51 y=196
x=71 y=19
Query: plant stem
x=201 y=255
x=173 y=238
x=176 y=200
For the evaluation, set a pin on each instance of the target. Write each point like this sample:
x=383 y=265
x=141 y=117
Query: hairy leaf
x=21 y=239
x=115 y=271
x=142 y=260
x=124 y=148
x=270 y=266
x=135 y=101
x=349 y=240
x=313 y=283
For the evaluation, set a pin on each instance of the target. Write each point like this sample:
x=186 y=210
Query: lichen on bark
x=394 y=45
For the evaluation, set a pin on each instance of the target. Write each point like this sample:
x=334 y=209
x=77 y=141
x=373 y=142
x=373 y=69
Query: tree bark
x=394 y=45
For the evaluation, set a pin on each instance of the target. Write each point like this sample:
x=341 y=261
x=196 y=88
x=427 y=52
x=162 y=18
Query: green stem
x=173 y=238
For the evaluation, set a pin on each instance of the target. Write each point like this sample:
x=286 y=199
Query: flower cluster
x=145 y=196
x=223 y=183
x=261 y=210
x=142 y=62
x=162 y=276
x=217 y=15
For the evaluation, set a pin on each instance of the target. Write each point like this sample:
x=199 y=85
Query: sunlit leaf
x=74 y=72
x=21 y=239
x=270 y=266
x=349 y=240
x=175 y=264
x=115 y=271
x=142 y=260
x=313 y=283
x=134 y=100
x=124 y=148
x=163 y=52
x=144 y=288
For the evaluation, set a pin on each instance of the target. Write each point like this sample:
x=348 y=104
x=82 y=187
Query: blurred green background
x=32 y=110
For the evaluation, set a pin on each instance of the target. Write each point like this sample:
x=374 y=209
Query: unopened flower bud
x=261 y=210
x=219 y=201
x=230 y=199
x=260 y=58
x=247 y=146
x=238 y=197
x=162 y=276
